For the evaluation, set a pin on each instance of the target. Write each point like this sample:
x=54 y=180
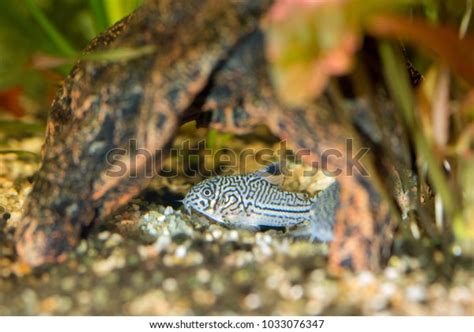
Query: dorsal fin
x=272 y=173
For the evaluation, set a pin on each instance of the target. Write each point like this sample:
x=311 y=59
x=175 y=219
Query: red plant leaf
x=10 y=101
x=307 y=43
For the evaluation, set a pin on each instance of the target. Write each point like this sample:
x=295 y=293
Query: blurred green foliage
x=34 y=32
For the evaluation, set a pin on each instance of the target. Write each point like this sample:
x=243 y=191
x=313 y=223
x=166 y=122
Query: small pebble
x=252 y=301
x=296 y=292
x=366 y=278
x=181 y=252
x=168 y=210
x=416 y=293
x=203 y=275
x=170 y=284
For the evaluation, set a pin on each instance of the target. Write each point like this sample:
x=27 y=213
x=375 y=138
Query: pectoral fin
x=323 y=213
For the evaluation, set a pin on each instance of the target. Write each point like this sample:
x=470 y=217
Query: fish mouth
x=186 y=206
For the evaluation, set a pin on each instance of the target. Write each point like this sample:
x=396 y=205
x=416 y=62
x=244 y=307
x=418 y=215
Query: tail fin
x=323 y=213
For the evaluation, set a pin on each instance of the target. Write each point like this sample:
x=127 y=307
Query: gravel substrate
x=153 y=259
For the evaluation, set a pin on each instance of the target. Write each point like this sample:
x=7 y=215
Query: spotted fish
x=256 y=200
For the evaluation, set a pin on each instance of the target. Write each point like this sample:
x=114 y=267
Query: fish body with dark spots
x=255 y=201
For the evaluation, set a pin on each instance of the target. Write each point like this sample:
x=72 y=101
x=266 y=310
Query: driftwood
x=207 y=59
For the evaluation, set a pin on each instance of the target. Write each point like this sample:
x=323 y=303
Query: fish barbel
x=256 y=200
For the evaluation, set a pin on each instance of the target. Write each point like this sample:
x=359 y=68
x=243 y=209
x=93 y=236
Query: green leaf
x=396 y=77
x=61 y=43
x=100 y=14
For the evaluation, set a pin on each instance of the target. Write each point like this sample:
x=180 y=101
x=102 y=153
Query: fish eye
x=207 y=192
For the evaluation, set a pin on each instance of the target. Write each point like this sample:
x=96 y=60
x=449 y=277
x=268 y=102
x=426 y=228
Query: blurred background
x=163 y=272
x=40 y=40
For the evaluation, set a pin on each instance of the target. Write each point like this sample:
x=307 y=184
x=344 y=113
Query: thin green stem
x=397 y=80
x=466 y=19
x=118 y=54
x=101 y=21
x=115 y=10
x=58 y=39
